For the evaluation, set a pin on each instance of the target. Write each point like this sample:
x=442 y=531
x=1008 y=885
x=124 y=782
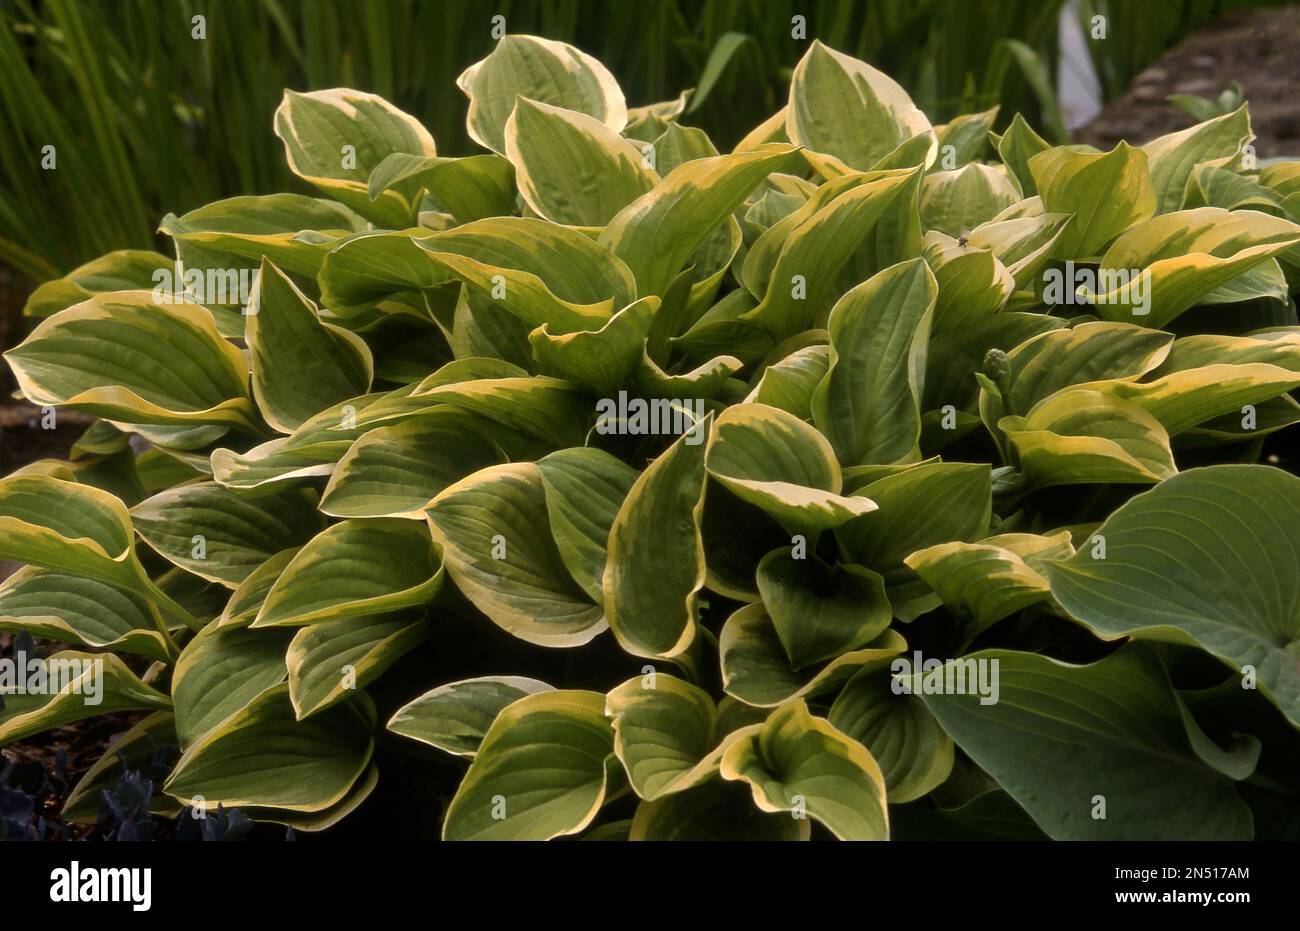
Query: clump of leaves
x=629 y=473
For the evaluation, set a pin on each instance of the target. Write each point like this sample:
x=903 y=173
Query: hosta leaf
x=334 y=138
x=954 y=356
x=1023 y=245
x=795 y=265
x=293 y=231
x=991 y=579
x=789 y=383
x=757 y=671
x=602 y=360
x=1172 y=157
x=353 y=569
x=264 y=464
x=1206 y=556
x=955 y=202
x=1079 y=436
x=328 y=661
x=1068 y=182
x=646 y=123
x=965 y=137
x=703 y=381
x=572 y=168
x=122 y=270
x=455 y=717
x=914 y=754
x=1094 y=351
x=1186 y=256
x=655 y=566
x=658 y=232
x=301 y=365
x=1063 y=740
x=678 y=144
x=122 y=357
x=74 y=609
x=820 y=611
x=843 y=107
x=715 y=810
x=538 y=271
x=396 y=471
x=246 y=600
x=1181 y=400
x=541 y=771
x=918 y=507
x=773 y=460
x=552 y=72
x=262 y=756
x=368 y=267
x=664 y=733
x=472 y=188
x=146 y=746
x=798 y=762
x=973 y=283
x=584 y=490
x=220 y=535
x=868 y=405
x=221 y=672
x=544 y=408
x=494 y=530
x=89 y=684
x=67 y=527
x=1016 y=147
x=990 y=816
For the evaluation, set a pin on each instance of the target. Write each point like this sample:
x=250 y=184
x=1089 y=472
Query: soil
x=1256 y=48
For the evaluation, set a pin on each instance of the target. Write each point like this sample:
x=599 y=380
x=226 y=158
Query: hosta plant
x=877 y=478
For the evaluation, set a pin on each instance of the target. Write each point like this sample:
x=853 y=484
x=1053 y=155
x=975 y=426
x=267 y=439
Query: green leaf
x=1079 y=436
x=538 y=271
x=658 y=232
x=493 y=527
x=74 y=609
x=121 y=270
x=301 y=364
x=584 y=489
x=757 y=670
x=547 y=409
x=1173 y=157
x=539 y=69
x=868 y=405
x=352 y=569
x=327 y=661
x=918 y=507
x=69 y=686
x=396 y=471
x=334 y=138
x=572 y=168
x=472 y=188
x=541 y=771
x=991 y=579
x=455 y=717
x=965 y=137
x=820 y=611
x=956 y=202
x=291 y=230
x=246 y=600
x=789 y=383
x=800 y=763
x=845 y=108
x=773 y=460
x=655 y=567
x=1016 y=147
x=1062 y=739
x=1068 y=182
x=665 y=732
x=1206 y=557
x=220 y=535
x=123 y=357
x=914 y=754
x=602 y=360
x=221 y=672
x=262 y=756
